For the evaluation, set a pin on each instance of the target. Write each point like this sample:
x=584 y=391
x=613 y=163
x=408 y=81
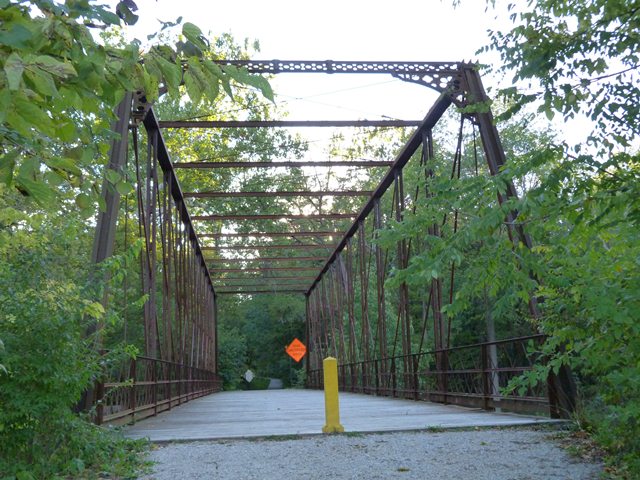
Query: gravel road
x=510 y=454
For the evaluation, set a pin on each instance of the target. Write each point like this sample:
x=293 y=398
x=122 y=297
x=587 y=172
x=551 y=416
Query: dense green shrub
x=45 y=307
x=232 y=356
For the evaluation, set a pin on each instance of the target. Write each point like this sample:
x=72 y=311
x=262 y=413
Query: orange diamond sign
x=296 y=350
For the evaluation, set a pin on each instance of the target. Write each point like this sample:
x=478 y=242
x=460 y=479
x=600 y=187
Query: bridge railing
x=136 y=388
x=469 y=375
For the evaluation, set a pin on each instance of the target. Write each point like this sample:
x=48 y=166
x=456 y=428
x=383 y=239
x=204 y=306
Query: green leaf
x=13 y=68
x=5 y=101
x=188 y=49
x=31 y=113
x=150 y=87
x=113 y=177
x=208 y=84
x=68 y=165
x=549 y=113
x=67 y=131
x=94 y=310
x=125 y=10
x=43 y=82
x=29 y=167
x=108 y=17
x=124 y=188
x=55 y=67
x=7 y=166
x=102 y=204
x=213 y=68
x=84 y=201
x=227 y=87
x=194 y=89
x=191 y=31
x=194 y=35
x=41 y=193
x=240 y=75
x=261 y=84
x=17 y=37
x=54 y=178
x=171 y=73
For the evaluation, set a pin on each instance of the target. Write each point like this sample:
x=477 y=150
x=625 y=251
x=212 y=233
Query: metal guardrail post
x=169 y=384
x=363 y=376
x=179 y=378
x=393 y=378
x=375 y=366
x=485 y=377
x=133 y=399
x=154 y=386
x=416 y=382
x=445 y=375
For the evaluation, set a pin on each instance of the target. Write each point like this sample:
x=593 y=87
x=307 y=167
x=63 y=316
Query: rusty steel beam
x=278 y=216
x=268 y=259
x=284 y=164
x=259 y=281
x=301 y=278
x=441 y=69
x=284 y=269
x=261 y=285
x=151 y=124
x=435 y=113
x=294 y=246
x=286 y=123
x=106 y=223
x=327 y=193
x=269 y=234
x=254 y=292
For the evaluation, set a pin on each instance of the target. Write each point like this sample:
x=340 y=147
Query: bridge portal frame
x=459 y=84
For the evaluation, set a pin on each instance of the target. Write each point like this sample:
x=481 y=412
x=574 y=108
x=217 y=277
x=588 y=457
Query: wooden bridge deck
x=243 y=414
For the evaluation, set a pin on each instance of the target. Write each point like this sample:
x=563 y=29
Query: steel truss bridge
x=336 y=266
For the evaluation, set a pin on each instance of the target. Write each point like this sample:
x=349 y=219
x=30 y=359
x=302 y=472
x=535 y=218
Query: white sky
x=426 y=30
x=337 y=29
x=411 y=30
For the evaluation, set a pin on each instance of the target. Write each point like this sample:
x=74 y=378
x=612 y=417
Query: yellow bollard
x=331 y=404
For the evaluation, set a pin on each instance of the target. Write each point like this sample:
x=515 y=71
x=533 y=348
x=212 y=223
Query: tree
x=581 y=58
x=59 y=86
x=584 y=58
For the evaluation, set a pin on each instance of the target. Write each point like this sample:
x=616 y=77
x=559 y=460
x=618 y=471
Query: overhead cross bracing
x=283 y=164
x=439 y=75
